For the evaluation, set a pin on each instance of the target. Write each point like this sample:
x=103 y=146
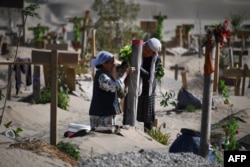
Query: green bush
x=192 y=108
x=45 y=97
x=70 y=149
x=63 y=93
x=163 y=138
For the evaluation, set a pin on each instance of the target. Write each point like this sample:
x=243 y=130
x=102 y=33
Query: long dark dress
x=146 y=103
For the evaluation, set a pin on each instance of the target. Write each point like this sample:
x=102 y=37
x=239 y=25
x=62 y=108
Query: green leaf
x=7 y=125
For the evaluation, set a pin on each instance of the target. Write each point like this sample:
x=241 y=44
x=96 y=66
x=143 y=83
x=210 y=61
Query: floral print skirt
x=101 y=121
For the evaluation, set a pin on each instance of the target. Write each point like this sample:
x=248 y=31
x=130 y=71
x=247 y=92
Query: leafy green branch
x=125 y=53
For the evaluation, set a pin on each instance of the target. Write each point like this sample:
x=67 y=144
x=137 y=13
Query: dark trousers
x=22 y=68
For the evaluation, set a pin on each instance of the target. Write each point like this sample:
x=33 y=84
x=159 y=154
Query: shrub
x=63 y=93
x=69 y=149
x=45 y=97
x=168 y=99
x=192 y=108
x=163 y=138
x=230 y=127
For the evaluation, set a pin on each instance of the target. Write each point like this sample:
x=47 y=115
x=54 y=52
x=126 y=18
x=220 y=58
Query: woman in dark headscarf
x=146 y=101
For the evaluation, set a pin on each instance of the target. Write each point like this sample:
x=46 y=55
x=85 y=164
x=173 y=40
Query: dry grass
x=45 y=149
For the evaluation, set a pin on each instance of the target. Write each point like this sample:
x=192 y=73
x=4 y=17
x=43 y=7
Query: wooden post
x=93 y=50
x=54 y=99
x=216 y=68
x=1 y=41
x=156 y=122
x=184 y=80
x=163 y=54
x=206 y=116
x=93 y=43
x=36 y=82
x=10 y=68
x=85 y=35
x=231 y=57
x=21 y=28
x=179 y=36
x=132 y=97
x=237 y=86
x=176 y=68
x=206 y=104
x=245 y=70
x=53 y=58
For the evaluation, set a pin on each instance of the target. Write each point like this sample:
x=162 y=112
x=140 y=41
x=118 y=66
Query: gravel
x=150 y=158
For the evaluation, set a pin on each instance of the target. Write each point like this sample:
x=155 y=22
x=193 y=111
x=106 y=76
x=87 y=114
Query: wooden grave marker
x=62 y=46
x=54 y=58
x=186 y=33
x=243 y=35
x=148 y=26
x=238 y=73
x=69 y=71
x=239 y=54
x=176 y=68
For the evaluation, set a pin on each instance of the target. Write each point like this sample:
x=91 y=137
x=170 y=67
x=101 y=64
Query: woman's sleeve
x=108 y=84
x=158 y=64
x=144 y=73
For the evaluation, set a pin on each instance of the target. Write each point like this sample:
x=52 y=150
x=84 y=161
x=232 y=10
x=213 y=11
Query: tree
x=236 y=21
x=14 y=15
x=115 y=23
x=30 y=11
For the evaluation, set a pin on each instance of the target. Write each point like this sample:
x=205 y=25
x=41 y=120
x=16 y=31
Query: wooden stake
x=85 y=36
x=36 y=82
x=207 y=99
x=216 y=68
x=93 y=50
x=54 y=99
x=231 y=57
x=132 y=97
x=184 y=80
x=163 y=54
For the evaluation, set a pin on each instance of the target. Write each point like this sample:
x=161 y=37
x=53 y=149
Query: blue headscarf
x=101 y=58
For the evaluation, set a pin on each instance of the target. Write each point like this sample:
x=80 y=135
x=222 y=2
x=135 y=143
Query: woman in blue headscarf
x=146 y=101
x=104 y=104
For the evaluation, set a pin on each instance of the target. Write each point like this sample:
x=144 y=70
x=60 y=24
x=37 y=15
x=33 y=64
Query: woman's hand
x=127 y=72
x=130 y=70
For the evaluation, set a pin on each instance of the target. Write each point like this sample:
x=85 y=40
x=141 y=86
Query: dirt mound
x=43 y=148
